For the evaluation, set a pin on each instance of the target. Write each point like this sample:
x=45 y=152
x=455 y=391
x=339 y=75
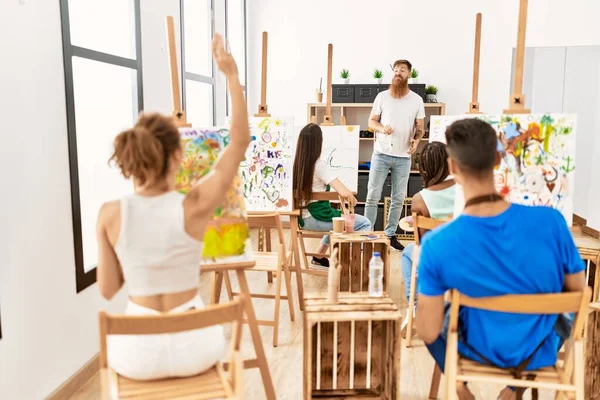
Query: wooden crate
x=354 y=254
x=351 y=348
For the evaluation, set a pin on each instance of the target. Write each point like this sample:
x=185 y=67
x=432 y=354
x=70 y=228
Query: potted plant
x=414 y=76
x=345 y=75
x=378 y=74
x=431 y=94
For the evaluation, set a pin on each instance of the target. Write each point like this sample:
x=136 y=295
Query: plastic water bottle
x=376 y=275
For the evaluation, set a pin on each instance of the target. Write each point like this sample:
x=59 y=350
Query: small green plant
x=345 y=74
x=431 y=89
x=414 y=73
x=378 y=74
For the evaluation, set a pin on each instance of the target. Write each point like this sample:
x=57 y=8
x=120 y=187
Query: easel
x=516 y=102
x=327 y=120
x=178 y=112
x=474 y=105
x=262 y=108
x=218 y=269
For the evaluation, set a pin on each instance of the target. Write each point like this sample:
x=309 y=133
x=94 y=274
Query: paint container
x=349 y=218
x=319 y=97
x=338 y=224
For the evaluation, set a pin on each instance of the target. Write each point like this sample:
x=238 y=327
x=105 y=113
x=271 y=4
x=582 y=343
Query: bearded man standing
x=398 y=119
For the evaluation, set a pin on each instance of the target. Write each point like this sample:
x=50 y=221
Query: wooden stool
x=354 y=252
x=565 y=377
x=351 y=348
x=211 y=384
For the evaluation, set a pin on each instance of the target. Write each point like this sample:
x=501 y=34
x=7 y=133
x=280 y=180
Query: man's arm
x=419 y=129
x=431 y=291
x=432 y=307
x=374 y=122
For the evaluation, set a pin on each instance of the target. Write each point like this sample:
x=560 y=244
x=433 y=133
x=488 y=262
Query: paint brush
x=392 y=68
x=320 y=85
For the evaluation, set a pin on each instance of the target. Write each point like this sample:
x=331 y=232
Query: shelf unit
x=358 y=114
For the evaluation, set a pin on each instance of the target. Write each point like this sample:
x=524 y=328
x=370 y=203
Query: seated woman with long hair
x=314 y=175
x=152 y=239
x=436 y=200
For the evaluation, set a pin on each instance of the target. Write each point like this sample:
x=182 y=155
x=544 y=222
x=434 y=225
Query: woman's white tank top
x=155 y=252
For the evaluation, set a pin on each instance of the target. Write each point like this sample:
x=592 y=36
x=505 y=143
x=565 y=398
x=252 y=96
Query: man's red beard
x=397 y=87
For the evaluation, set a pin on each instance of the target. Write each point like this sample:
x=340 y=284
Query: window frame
x=86 y=279
x=245 y=85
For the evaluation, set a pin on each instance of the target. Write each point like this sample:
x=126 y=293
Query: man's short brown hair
x=405 y=62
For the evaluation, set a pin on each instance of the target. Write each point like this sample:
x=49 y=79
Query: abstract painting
x=537 y=154
x=266 y=171
x=340 y=152
x=227 y=235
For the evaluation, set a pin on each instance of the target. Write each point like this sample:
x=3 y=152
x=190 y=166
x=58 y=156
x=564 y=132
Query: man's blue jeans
x=381 y=164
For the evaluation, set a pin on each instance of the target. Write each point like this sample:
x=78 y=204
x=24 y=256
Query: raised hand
x=223 y=58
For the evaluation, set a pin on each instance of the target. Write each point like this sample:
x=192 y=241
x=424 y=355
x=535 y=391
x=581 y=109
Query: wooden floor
x=285 y=361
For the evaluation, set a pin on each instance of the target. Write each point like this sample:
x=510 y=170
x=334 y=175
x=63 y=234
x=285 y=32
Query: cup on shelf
x=319 y=97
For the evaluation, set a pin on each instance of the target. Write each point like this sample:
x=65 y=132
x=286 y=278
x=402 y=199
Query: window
x=204 y=97
x=197 y=26
x=103 y=83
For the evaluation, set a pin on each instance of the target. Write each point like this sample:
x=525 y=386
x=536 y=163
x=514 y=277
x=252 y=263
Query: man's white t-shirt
x=400 y=114
x=323 y=176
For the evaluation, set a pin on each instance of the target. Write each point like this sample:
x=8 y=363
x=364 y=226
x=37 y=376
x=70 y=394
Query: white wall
x=437 y=36
x=49 y=331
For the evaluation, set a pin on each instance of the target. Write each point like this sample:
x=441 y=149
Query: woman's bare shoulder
x=109 y=211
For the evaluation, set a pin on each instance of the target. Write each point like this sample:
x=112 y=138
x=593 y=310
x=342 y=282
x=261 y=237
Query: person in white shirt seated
x=152 y=239
x=311 y=175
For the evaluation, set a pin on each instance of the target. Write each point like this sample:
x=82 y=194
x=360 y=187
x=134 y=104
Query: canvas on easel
x=340 y=152
x=538 y=160
x=227 y=237
x=266 y=170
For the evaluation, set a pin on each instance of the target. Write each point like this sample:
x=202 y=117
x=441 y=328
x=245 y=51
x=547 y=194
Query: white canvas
x=340 y=152
x=538 y=158
x=267 y=170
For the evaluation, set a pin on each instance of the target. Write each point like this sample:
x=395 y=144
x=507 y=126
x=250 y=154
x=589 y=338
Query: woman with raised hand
x=152 y=239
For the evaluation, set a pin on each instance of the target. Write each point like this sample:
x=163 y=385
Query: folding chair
x=306 y=234
x=277 y=263
x=566 y=377
x=421 y=225
x=212 y=384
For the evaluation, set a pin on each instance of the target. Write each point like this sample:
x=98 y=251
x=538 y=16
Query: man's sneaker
x=396 y=245
x=319 y=264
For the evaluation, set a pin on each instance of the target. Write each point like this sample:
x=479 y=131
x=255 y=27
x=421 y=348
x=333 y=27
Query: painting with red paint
x=537 y=153
x=266 y=171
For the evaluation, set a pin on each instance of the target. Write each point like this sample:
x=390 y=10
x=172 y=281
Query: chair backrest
x=424 y=224
x=331 y=196
x=543 y=304
x=268 y=221
x=111 y=324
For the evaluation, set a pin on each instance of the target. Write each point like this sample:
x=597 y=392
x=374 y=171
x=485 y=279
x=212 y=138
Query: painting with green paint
x=227 y=236
x=267 y=168
x=537 y=154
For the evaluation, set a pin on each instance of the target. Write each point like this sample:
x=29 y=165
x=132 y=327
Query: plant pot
x=379 y=80
x=431 y=98
x=346 y=80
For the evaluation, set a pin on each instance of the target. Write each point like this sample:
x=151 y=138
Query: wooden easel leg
x=295 y=251
x=216 y=285
x=255 y=333
x=228 y=286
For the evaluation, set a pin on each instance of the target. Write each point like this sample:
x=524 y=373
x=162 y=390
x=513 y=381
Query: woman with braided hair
x=436 y=200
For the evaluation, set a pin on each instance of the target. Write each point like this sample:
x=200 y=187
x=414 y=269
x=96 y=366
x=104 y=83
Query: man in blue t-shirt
x=494 y=248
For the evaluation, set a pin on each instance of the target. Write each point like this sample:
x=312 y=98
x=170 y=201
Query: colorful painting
x=266 y=171
x=340 y=151
x=537 y=152
x=227 y=235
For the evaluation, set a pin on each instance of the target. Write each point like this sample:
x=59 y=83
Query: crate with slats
x=355 y=251
x=352 y=347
